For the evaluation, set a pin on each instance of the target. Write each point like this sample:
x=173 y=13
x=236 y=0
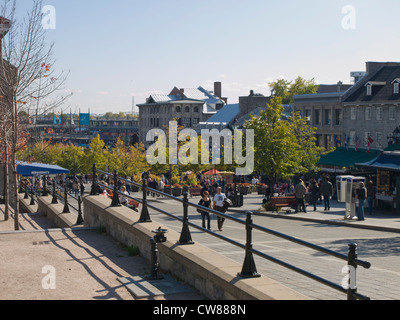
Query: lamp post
x=5 y=26
x=235 y=125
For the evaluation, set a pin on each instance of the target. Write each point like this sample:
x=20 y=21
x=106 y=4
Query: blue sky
x=118 y=49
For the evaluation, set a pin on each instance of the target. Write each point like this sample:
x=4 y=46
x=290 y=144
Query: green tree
x=282 y=148
x=287 y=89
x=96 y=153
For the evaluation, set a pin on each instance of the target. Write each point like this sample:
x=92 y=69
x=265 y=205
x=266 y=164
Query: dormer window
x=370 y=84
x=369 y=90
x=396 y=86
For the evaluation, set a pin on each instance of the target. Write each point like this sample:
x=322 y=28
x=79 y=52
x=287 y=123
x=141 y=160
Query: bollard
x=26 y=196
x=80 y=219
x=185 y=237
x=66 y=207
x=158 y=238
x=352 y=265
x=45 y=193
x=54 y=200
x=32 y=197
x=93 y=191
x=249 y=269
x=115 y=199
x=144 y=215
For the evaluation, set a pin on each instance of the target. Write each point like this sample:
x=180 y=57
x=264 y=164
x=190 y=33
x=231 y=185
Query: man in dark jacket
x=327 y=192
x=361 y=196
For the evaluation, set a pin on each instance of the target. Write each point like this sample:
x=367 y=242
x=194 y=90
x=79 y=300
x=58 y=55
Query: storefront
x=387 y=167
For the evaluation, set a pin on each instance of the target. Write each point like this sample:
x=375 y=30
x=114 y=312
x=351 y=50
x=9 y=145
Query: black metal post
x=249 y=269
x=45 y=193
x=80 y=218
x=185 y=237
x=352 y=265
x=235 y=195
x=26 y=190
x=154 y=262
x=144 y=215
x=93 y=191
x=115 y=199
x=66 y=207
x=32 y=196
x=54 y=200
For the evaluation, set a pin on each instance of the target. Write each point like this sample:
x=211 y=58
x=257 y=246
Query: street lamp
x=5 y=26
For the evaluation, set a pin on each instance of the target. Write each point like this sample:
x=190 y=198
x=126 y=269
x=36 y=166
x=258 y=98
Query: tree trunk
x=6 y=187
x=15 y=191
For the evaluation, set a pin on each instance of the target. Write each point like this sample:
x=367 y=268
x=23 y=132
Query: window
x=178 y=109
x=352 y=138
x=378 y=140
x=353 y=113
x=327 y=117
x=196 y=109
x=187 y=109
x=392 y=113
x=366 y=135
x=379 y=113
x=308 y=116
x=317 y=117
x=368 y=113
x=338 y=117
x=396 y=88
x=369 y=90
x=196 y=122
x=187 y=122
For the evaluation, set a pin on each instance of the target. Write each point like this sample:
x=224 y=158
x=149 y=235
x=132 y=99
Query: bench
x=282 y=202
x=194 y=192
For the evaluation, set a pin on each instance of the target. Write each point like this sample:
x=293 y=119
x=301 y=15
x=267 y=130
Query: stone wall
x=214 y=275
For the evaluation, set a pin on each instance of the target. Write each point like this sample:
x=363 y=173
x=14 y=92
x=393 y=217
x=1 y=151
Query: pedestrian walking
x=361 y=196
x=327 y=192
x=300 y=192
x=205 y=202
x=218 y=204
x=371 y=192
x=314 y=190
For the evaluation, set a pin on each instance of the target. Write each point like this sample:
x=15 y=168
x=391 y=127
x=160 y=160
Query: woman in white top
x=122 y=198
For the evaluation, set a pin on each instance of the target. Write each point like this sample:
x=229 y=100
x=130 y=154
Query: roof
x=189 y=95
x=31 y=169
x=226 y=114
x=347 y=158
x=388 y=160
x=382 y=87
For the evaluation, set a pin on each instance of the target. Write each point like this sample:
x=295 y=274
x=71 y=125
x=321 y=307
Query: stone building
x=188 y=106
x=368 y=109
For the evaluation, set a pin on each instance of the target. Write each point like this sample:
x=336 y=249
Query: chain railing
x=249 y=269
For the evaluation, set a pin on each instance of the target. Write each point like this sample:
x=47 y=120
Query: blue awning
x=388 y=160
x=32 y=169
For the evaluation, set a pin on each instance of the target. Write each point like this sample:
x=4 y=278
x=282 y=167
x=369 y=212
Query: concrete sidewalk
x=380 y=219
x=86 y=264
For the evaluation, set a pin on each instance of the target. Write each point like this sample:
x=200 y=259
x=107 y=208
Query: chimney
x=181 y=93
x=373 y=67
x=339 y=86
x=218 y=89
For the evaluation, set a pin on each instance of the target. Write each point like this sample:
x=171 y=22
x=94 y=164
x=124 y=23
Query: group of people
x=325 y=190
x=218 y=202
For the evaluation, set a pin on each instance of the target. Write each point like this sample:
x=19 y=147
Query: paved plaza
x=93 y=262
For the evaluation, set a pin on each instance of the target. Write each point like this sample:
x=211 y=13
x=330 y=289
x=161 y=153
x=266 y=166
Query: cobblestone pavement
x=380 y=247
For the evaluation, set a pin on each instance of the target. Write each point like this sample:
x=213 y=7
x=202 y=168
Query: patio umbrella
x=211 y=172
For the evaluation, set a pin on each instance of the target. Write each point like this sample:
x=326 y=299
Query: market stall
x=387 y=166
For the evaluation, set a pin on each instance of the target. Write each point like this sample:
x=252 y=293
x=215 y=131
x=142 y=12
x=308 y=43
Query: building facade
x=364 y=115
x=189 y=107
